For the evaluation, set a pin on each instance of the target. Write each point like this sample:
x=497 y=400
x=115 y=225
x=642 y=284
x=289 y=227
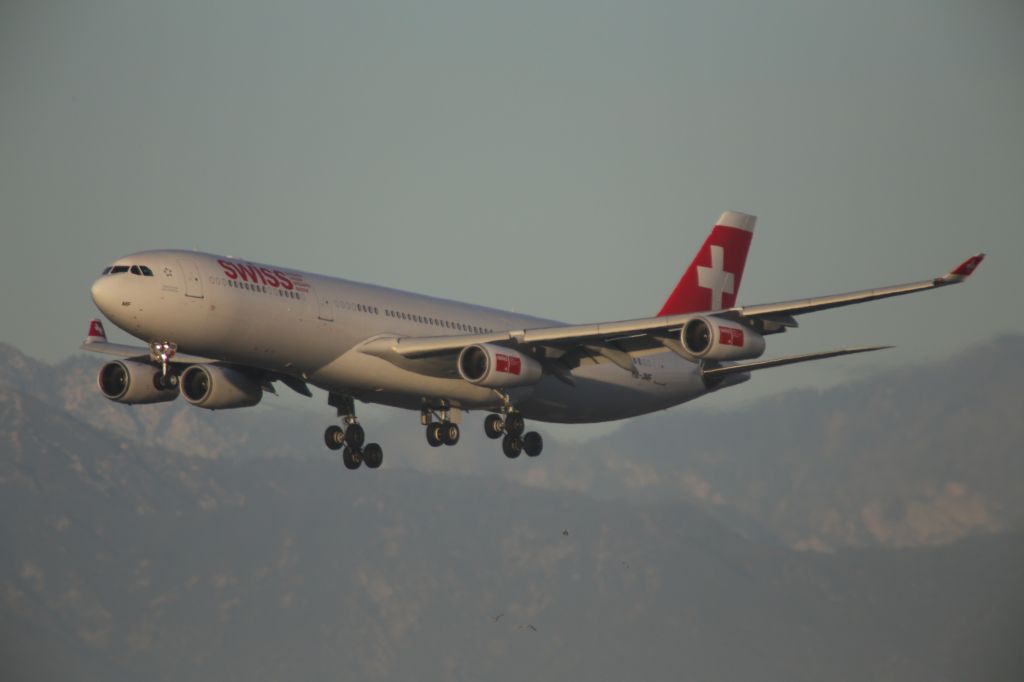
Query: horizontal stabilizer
x=789 y=360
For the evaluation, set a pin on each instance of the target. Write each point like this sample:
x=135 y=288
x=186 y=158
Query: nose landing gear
x=162 y=352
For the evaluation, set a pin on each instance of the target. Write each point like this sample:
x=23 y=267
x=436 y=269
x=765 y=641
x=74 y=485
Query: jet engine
x=219 y=388
x=497 y=367
x=131 y=382
x=712 y=338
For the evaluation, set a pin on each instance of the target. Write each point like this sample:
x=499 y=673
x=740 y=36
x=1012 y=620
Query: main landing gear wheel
x=512 y=445
x=514 y=424
x=435 y=434
x=442 y=433
x=373 y=455
x=533 y=443
x=334 y=437
x=494 y=427
x=351 y=458
x=355 y=436
x=449 y=433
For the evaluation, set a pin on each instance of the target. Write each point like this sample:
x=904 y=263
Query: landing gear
x=334 y=437
x=352 y=458
x=355 y=436
x=352 y=437
x=373 y=455
x=450 y=434
x=434 y=434
x=166 y=382
x=494 y=426
x=442 y=428
x=514 y=424
x=162 y=352
x=511 y=445
x=511 y=425
x=533 y=443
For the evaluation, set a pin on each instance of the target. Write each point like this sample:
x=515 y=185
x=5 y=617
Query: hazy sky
x=559 y=158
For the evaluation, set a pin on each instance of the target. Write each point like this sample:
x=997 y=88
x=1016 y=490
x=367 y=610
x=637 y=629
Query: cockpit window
x=106 y=270
x=146 y=271
x=136 y=271
x=118 y=269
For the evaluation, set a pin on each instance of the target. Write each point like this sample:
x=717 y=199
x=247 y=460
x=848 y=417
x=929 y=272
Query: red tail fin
x=96 y=332
x=713 y=279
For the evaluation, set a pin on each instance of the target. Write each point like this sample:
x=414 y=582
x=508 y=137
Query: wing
x=780 y=311
x=619 y=342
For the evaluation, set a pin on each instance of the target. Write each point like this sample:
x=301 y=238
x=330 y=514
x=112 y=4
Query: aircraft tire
x=532 y=443
x=450 y=433
x=334 y=437
x=165 y=383
x=435 y=434
x=494 y=427
x=515 y=424
x=373 y=455
x=351 y=458
x=355 y=436
x=512 y=446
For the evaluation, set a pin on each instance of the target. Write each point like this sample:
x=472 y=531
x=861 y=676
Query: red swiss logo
x=257 y=274
x=508 y=364
x=729 y=336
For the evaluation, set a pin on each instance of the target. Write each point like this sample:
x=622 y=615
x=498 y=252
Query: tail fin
x=713 y=279
x=96 y=333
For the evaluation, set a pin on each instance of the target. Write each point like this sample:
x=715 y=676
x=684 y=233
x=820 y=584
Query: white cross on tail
x=716 y=278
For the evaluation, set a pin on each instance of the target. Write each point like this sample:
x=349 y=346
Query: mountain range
x=167 y=543
x=920 y=456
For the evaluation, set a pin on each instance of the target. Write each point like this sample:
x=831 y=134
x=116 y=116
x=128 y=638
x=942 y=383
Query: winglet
x=96 y=333
x=964 y=270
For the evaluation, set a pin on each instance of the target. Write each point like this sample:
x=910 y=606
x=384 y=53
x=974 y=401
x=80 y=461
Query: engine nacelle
x=712 y=338
x=497 y=367
x=131 y=382
x=219 y=388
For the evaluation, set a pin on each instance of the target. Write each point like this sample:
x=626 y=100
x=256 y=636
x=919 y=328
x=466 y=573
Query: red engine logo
x=728 y=336
x=508 y=364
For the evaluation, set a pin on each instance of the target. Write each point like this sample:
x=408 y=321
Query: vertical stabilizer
x=712 y=281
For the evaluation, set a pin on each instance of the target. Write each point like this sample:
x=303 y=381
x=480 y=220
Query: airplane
x=222 y=331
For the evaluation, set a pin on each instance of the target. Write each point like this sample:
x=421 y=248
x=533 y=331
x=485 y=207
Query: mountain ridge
x=923 y=455
x=128 y=562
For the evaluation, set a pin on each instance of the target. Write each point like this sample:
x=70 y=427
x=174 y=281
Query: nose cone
x=104 y=295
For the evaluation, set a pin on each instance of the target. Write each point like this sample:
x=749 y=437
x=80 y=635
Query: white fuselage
x=310 y=327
